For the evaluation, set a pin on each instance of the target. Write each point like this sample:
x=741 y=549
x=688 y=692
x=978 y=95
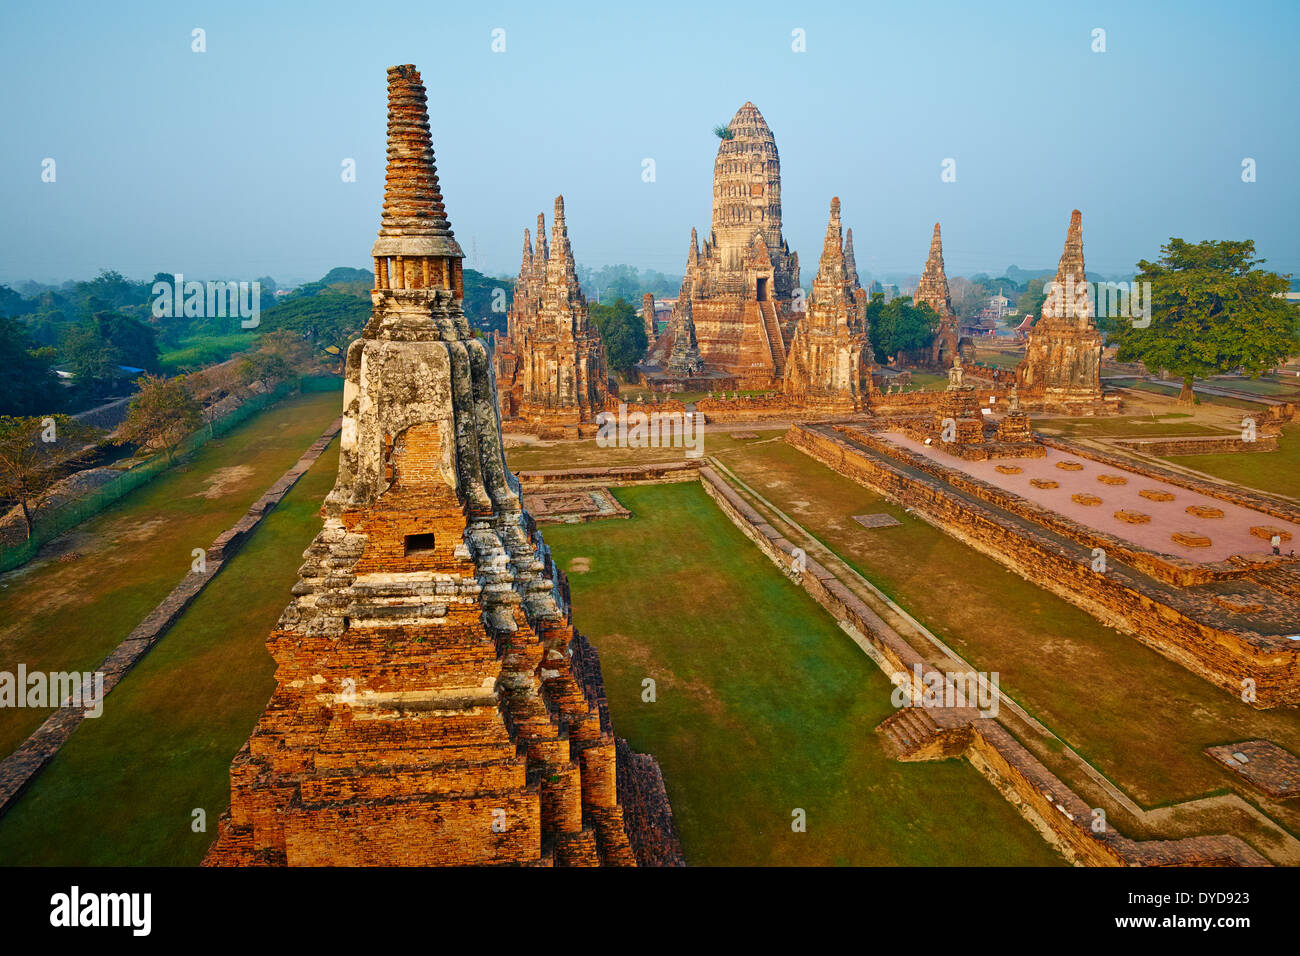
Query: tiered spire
x=850 y=262
x=685 y=358
x=542 y=249
x=406 y=730
x=414 y=219
x=562 y=273
x=932 y=289
x=1067 y=298
x=830 y=360
x=831 y=267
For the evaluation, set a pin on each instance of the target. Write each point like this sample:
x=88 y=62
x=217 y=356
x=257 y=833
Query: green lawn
x=1171 y=389
x=57 y=615
x=1272 y=471
x=1128 y=426
x=122 y=791
x=928 y=381
x=763 y=704
x=1000 y=358
x=1287 y=389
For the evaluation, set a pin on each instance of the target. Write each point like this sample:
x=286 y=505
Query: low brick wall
x=1198 y=445
x=1156 y=615
x=614 y=476
x=30 y=758
x=746 y=408
x=1038 y=794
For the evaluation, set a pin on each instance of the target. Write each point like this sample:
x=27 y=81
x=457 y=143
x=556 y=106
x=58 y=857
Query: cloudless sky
x=226 y=164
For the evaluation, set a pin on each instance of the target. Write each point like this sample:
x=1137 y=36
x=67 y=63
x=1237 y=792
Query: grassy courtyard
x=1141 y=719
x=763 y=705
x=60 y=615
x=122 y=791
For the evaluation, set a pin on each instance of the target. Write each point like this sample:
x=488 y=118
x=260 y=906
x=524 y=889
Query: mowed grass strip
x=1142 y=719
x=1174 y=424
x=67 y=616
x=124 y=788
x=763 y=705
x=1277 y=472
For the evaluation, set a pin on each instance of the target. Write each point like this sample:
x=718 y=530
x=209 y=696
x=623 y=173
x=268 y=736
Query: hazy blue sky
x=227 y=163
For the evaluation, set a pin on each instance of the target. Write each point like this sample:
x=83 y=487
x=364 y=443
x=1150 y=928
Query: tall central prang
x=738 y=296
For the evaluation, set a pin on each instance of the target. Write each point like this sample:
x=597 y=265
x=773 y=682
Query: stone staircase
x=927 y=733
x=772 y=327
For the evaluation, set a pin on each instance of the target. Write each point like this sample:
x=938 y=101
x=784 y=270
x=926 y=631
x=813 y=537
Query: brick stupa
x=740 y=287
x=932 y=290
x=684 y=360
x=551 y=367
x=1061 y=370
x=829 y=366
x=433 y=703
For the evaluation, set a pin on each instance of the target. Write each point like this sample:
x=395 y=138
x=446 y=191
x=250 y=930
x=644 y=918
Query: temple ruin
x=1061 y=370
x=550 y=367
x=829 y=364
x=434 y=704
x=740 y=288
x=932 y=290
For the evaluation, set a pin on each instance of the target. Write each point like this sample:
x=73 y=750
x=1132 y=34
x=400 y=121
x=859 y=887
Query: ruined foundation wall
x=1221 y=655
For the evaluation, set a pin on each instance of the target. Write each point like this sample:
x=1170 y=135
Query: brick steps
x=773 y=329
x=908 y=731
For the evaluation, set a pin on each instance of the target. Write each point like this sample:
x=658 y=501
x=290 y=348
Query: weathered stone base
x=1265 y=766
x=572 y=507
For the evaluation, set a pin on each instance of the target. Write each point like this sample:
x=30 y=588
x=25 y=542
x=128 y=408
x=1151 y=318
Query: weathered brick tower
x=742 y=284
x=932 y=289
x=433 y=703
x=829 y=365
x=1061 y=370
x=551 y=368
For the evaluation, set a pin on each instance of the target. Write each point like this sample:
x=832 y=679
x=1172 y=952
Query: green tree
x=12 y=304
x=622 y=332
x=486 y=300
x=161 y=415
x=1212 y=311
x=91 y=360
x=35 y=453
x=1032 y=299
x=899 y=326
x=325 y=320
x=133 y=342
x=27 y=384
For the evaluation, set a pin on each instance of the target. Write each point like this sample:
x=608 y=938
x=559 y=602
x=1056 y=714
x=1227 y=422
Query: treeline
x=68 y=348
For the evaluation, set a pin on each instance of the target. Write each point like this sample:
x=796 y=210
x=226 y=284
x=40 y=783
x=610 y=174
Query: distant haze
x=227 y=163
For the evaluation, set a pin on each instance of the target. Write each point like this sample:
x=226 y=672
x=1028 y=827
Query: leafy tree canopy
x=28 y=386
x=1213 y=310
x=899 y=326
x=622 y=333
